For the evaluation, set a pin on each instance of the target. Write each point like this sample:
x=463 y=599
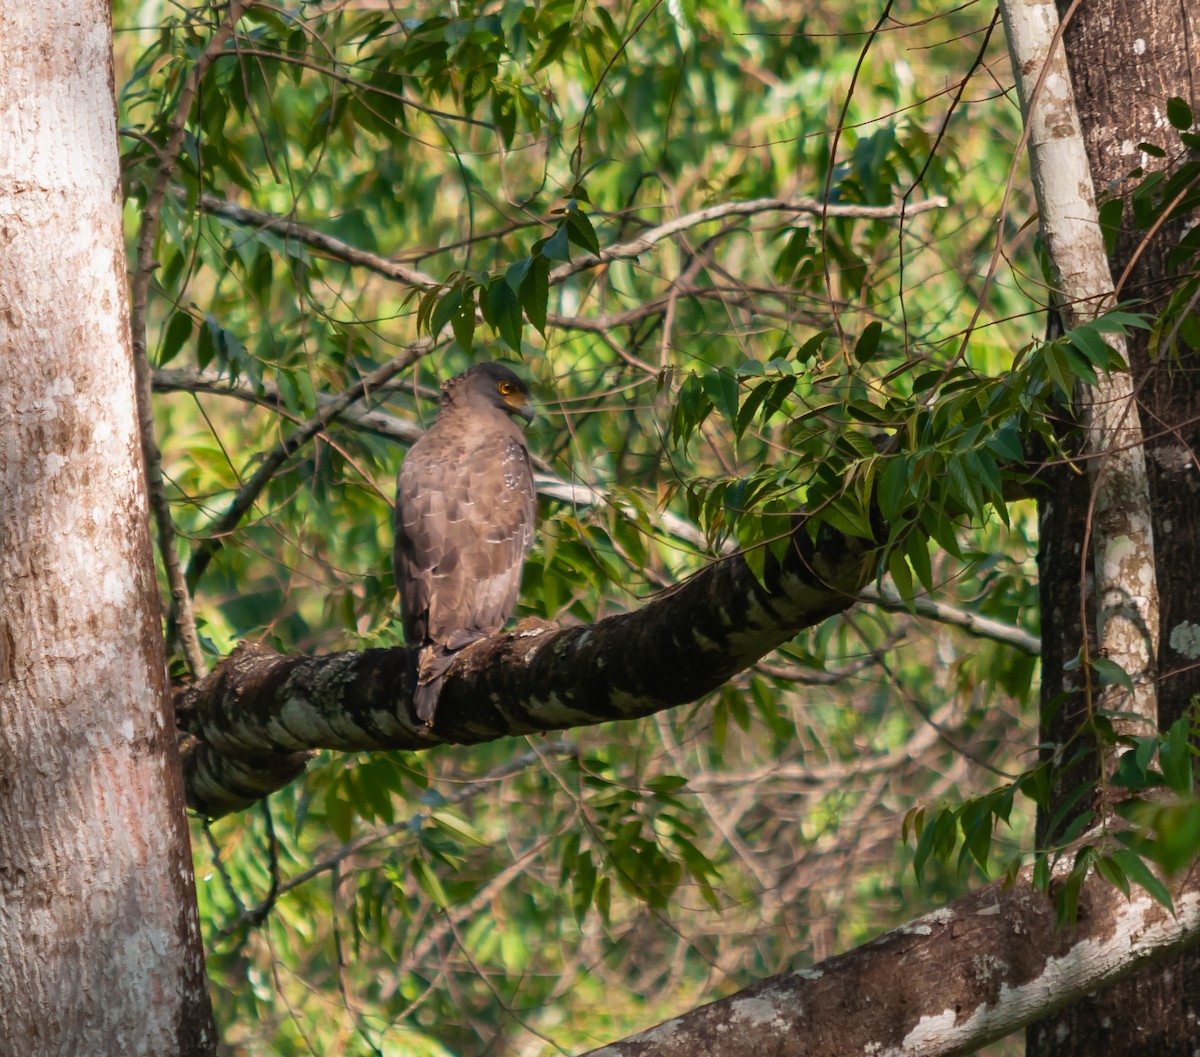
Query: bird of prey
x=465 y=516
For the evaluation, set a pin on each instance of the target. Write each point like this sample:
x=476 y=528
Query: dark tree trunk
x=1127 y=58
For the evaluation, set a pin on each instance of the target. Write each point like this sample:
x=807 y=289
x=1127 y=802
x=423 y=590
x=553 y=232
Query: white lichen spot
x=809 y=974
x=1128 y=148
x=658 y=1035
x=1139 y=47
x=988 y=912
x=1174 y=457
x=1061 y=1031
x=929 y=1032
x=916 y=929
x=986 y=966
x=757 y=1012
x=1185 y=639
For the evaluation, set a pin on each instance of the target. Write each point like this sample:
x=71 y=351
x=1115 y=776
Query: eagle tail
x=432 y=662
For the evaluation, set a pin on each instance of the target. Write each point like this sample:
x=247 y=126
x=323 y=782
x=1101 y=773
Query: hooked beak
x=524 y=409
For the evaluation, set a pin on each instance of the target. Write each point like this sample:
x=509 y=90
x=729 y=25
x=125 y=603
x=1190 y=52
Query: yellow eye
x=506 y=388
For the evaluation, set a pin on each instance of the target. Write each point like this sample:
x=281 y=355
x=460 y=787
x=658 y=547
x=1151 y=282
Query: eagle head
x=490 y=384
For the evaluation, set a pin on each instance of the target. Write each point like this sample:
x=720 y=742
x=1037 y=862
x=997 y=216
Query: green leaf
x=868 y=342
x=504 y=312
x=1112 y=673
x=463 y=321
x=340 y=815
x=1179 y=113
x=535 y=293
x=1175 y=757
x=429 y=882
x=447 y=306
x=917 y=549
x=901 y=576
x=459 y=828
x=721 y=387
x=1111 y=871
x=812 y=347
x=666 y=783
x=1067 y=901
x=583 y=887
x=1110 y=221
x=515 y=274
x=892 y=487
x=177 y=331
x=1137 y=871
x=580 y=231
x=557 y=247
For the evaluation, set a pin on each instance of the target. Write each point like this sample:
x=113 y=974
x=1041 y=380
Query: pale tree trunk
x=99 y=943
x=1126 y=59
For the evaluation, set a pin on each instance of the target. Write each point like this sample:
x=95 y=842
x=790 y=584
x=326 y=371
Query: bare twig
x=635 y=247
x=317 y=240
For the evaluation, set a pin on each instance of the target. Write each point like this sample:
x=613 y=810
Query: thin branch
x=402 y=273
x=635 y=247
x=985 y=627
x=317 y=240
x=412 y=824
x=181 y=617
x=821 y=776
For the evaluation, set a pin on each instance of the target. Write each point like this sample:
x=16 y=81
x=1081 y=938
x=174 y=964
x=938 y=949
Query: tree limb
x=256 y=718
x=578 y=493
x=958 y=978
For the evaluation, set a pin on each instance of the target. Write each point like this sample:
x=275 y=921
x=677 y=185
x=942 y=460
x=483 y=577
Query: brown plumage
x=465 y=516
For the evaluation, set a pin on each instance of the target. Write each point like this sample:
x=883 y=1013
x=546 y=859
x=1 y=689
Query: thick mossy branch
x=256 y=718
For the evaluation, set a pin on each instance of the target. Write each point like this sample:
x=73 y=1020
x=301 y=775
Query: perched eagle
x=465 y=515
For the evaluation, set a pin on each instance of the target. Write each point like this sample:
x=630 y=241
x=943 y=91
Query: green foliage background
x=537 y=895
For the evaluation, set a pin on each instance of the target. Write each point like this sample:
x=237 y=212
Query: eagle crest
x=465 y=516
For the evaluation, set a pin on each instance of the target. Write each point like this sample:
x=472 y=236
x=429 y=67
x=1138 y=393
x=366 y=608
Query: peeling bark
x=258 y=714
x=100 y=948
x=943 y=985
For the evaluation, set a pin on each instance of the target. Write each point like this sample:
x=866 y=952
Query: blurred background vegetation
x=537 y=895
